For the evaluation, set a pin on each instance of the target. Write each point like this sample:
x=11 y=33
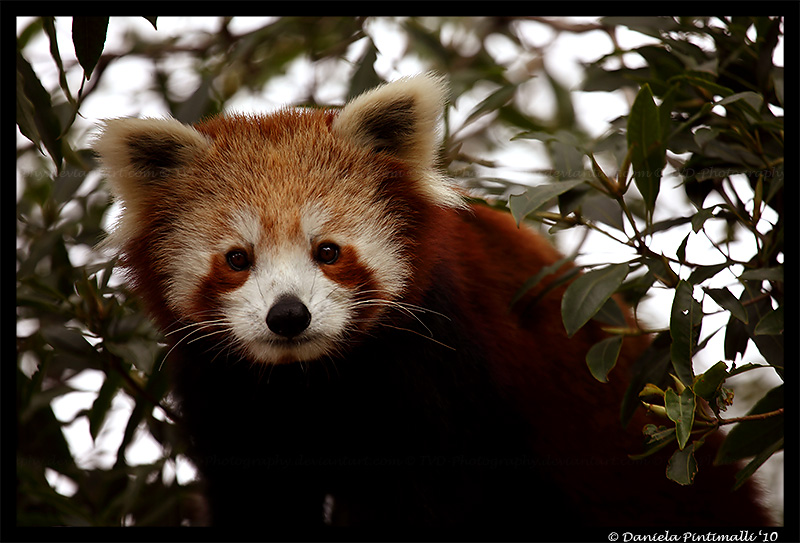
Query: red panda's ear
x=136 y=151
x=399 y=118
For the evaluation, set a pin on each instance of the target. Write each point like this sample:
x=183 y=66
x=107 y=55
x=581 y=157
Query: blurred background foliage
x=697 y=148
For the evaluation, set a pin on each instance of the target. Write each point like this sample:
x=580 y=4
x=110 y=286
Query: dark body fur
x=404 y=431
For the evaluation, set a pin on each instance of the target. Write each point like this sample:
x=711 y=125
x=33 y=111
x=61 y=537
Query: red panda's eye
x=328 y=253
x=238 y=260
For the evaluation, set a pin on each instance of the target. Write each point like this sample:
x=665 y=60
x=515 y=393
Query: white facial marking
x=283 y=265
x=287 y=271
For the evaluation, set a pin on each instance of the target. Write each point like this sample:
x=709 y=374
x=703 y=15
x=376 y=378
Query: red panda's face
x=281 y=237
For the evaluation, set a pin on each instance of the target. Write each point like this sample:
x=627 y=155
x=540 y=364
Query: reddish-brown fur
x=465 y=264
x=586 y=449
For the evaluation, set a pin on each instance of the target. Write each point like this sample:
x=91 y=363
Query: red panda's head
x=279 y=235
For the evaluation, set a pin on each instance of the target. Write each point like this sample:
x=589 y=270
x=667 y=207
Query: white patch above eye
x=246 y=229
x=313 y=220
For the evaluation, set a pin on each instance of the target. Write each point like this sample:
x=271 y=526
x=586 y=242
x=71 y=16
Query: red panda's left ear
x=399 y=118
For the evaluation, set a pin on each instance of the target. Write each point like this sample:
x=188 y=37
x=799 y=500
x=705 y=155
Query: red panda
x=343 y=336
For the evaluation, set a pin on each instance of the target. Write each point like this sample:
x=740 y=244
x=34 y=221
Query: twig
x=759 y=416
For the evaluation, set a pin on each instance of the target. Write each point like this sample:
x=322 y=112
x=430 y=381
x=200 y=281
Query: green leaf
x=764 y=274
x=602 y=357
x=156 y=387
x=140 y=352
x=748 y=103
x=684 y=328
x=680 y=410
x=699 y=218
x=651 y=367
x=771 y=324
x=705 y=81
x=89 y=38
x=726 y=300
x=365 y=76
x=777 y=80
x=47 y=124
x=49 y=26
x=649 y=152
x=666 y=224
x=562 y=136
x=657 y=438
x=736 y=337
x=611 y=314
x=743 y=474
x=25 y=114
x=704 y=135
x=752 y=99
x=531 y=282
x=588 y=293
x=535 y=197
x=102 y=404
x=707 y=384
x=662 y=62
x=752 y=437
x=701 y=273
x=681 y=252
x=492 y=102
x=682 y=466
x=565 y=110
x=69 y=341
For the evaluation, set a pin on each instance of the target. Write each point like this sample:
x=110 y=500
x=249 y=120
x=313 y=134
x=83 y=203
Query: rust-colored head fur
x=275 y=188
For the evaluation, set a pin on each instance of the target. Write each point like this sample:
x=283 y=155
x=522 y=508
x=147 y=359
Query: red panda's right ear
x=135 y=151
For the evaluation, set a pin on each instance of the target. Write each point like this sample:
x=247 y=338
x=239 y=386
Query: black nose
x=288 y=316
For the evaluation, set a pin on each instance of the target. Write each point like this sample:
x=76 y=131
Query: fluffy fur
x=344 y=336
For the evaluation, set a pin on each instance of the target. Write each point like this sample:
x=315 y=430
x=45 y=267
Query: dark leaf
x=649 y=153
x=531 y=282
x=681 y=251
x=764 y=274
x=102 y=404
x=89 y=38
x=45 y=119
x=26 y=114
x=701 y=273
x=666 y=224
x=684 y=328
x=565 y=111
x=587 y=294
x=680 y=410
x=602 y=357
x=752 y=437
x=535 y=197
x=365 y=76
x=699 y=218
x=492 y=102
x=743 y=474
x=708 y=383
x=770 y=324
x=68 y=340
x=726 y=300
x=682 y=466
x=657 y=439
x=611 y=314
